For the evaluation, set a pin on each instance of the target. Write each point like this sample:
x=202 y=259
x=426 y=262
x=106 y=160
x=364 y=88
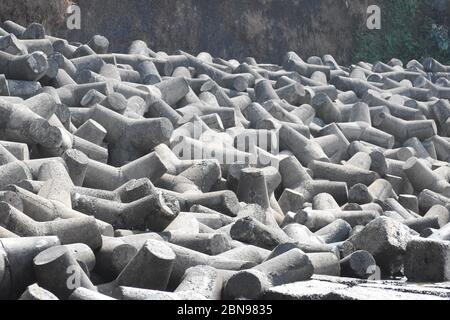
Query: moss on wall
x=411 y=29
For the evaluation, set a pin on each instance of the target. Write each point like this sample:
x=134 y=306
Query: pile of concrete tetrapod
x=152 y=176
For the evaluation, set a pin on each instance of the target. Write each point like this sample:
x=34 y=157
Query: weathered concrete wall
x=48 y=12
x=265 y=29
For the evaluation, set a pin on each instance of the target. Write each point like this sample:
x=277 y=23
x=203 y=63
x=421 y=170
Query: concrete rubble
x=153 y=176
